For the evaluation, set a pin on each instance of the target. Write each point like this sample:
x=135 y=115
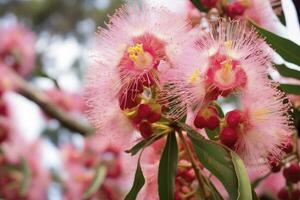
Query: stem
x=37 y=96
x=193 y=162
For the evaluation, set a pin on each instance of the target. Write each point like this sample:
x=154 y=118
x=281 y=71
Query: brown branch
x=37 y=96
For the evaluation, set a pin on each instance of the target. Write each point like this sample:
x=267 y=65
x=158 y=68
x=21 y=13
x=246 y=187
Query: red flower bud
x=154 y=117
x=207 y=118
x=145 y=129
x=292 y=173
x=235 y=9
x=144 y=111
x=283 y=194
x=209 y=3
x=228 y=137
x=233 y=118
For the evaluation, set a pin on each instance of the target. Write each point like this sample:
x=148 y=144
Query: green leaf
x=287 y=72
x=213 y=134
x=138 y=183
x=167 y=169
x=220 y=111
x=96 y=182
x=244 y=189
x=199 y=6
x=222 y=163
x=26 y=177
x=290 y=89
x=287 y=49
x=143 y=143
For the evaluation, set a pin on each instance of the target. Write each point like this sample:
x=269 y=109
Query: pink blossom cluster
x=261 y=12
x=152 y=69
x=17 y=49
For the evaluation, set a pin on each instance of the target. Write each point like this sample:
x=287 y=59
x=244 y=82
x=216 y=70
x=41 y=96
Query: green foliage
x=167 y=168
x=143 y=143
x=287 y=49
x=97 y=181
x=25 y=183
x=290 y=89
x=287 y=72
x=222 y=163
x=198 y=5
x=139 y=181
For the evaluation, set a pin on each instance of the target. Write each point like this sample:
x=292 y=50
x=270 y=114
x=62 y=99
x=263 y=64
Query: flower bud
x=228 y=137
x=154 y=117
x=235 y=9
x=233 y=118
x=144 y=111
x=292 y=173
x=207 y=118
x=145 y=129
x=275 y=166
x=283 y=194
x=209 y=3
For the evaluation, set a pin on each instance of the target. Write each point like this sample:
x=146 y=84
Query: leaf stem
x=193 y=162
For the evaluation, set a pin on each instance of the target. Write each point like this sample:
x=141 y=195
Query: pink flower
x=17 y=49
x=270 y=185
x=261 y=12
x=264 y=127
x=80 y=165
x=225 y=60
x=131 y=60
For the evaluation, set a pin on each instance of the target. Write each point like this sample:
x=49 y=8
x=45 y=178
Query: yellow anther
x=228 y=44
x=135 y=51
x=261 y=112
x=246 y=3
x=194 y=77
x=227 y=66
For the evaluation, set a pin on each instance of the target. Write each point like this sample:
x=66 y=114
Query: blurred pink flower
x=261 y=12
x=80 y=165
x=70 y=102
x=17 y=48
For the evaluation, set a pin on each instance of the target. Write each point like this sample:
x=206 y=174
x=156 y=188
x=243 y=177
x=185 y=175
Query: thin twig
x=193 y=162
x=37 y=96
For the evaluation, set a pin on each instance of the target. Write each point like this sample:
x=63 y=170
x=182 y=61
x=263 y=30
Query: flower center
x=139 y=57
x=225 y=75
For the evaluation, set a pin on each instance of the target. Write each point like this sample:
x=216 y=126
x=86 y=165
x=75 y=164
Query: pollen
x=261 y=113
x=135 y=51
x=227 y=66
x=228 y=44
x=194 y=77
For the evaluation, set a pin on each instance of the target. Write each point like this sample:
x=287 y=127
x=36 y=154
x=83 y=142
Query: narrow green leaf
x=199 y=6
x=167 y=169
x=143 y=143
x=26 y=177
x=287 y=49
x=96 y=182
x=290 y=89
x=287 y=72
x=138 y=183
x=219 y=161
x=244 y=189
